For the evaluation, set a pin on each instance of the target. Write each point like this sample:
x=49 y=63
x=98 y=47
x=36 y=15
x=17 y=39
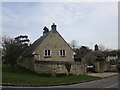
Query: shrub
x=100 y=59
x=77 y=59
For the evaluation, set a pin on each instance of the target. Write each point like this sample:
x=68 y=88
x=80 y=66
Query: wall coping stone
x=56 y=62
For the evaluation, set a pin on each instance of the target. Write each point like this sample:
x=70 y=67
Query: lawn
x=23 y=76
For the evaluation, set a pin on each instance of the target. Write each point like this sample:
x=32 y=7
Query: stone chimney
x=96 y=47
x=46 y=30
x=53 y=27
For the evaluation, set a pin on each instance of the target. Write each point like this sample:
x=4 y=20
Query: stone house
x=51 y=54
x=97 y=59
x=112 y=58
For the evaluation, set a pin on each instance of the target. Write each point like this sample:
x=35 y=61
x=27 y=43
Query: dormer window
x=62 y=53
x=47 y=53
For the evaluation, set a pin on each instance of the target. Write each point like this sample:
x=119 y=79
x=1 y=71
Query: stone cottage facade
x=97 y=59
x=51 y=54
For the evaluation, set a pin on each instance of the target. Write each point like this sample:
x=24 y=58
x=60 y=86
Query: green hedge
x=77 y=59
x=100 y=59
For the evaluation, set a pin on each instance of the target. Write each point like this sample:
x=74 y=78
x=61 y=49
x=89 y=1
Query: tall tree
x=81 y=52
x=23 y=39
x=12 y=49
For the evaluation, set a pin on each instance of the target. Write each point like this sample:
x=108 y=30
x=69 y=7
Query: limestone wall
x=101 y=66
x=78 y=68
x=57 y=67
x=53 y=68
x=113 y=67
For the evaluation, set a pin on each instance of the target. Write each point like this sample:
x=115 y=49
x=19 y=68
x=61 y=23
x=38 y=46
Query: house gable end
x=50 y=36
x=55 y=42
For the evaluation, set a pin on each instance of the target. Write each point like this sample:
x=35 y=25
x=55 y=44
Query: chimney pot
x=53 y=26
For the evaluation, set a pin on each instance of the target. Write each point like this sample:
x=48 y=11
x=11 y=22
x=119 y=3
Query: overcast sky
x=86 y=22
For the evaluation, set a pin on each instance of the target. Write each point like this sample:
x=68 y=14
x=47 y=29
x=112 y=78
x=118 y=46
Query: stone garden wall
x=113 y=67
x=59 y=67
x=101 y=67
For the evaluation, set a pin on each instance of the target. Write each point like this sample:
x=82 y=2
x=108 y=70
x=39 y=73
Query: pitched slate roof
x=31 y=49
x=95 y=53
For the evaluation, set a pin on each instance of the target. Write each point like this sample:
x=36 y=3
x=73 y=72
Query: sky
x=88 y=23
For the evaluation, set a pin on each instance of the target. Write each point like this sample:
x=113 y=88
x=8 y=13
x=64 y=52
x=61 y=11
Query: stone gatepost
x=99 y=66
x=97 y=69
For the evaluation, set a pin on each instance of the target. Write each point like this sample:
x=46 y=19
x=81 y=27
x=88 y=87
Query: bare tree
x=101 y=47
x=73 y=44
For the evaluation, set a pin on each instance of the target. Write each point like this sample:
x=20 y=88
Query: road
x=110 y=82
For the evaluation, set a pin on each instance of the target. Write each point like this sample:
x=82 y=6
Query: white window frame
x=39 y=56
x=62 y=52
x=47 y=53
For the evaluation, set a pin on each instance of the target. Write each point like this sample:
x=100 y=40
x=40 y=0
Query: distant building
x=96 y=59
x=112 y=57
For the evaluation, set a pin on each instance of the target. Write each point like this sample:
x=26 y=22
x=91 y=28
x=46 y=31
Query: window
x=47 y=53
x=62 y=53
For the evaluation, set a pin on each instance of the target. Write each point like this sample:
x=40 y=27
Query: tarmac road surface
x=110 y=82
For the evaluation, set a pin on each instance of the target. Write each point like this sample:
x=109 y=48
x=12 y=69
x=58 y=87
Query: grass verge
x=23 y=76
x=116 y=71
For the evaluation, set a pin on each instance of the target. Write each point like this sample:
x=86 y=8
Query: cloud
x=84 y=22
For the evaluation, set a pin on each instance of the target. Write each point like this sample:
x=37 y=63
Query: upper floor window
x=47 y=53
x=62 y=53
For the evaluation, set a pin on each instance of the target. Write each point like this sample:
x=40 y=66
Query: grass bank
x=23 y=76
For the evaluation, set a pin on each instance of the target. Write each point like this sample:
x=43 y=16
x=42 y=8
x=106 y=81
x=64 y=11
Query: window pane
x=45 y=52
x=48 y=52
x=63 y=52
